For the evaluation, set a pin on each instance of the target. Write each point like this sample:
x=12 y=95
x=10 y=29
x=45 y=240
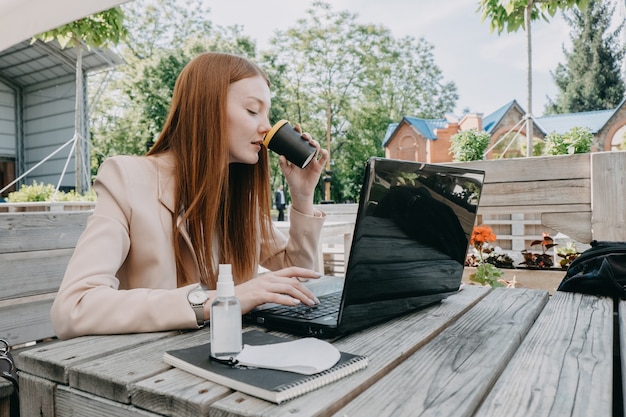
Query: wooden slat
x=53 y=361
x=608 y=219
x=564 y=366
x=38 y=396
x=20 y=232
x=545 y=193
x=532 y=169
x=622 y=345
x=576 y=225
x=112 y=379
x=31 y=273
x=71 y=402
x=454 y=366
x=26 y=322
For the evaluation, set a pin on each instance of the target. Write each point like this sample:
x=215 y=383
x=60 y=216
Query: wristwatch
x=197 y=298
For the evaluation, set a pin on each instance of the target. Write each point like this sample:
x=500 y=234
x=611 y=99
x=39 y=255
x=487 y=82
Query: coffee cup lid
x=273 y=130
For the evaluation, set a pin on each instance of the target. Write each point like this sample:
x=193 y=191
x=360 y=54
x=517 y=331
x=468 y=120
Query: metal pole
x=529 y=111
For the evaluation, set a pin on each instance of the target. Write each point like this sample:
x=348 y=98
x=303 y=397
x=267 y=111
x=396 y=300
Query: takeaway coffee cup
x=285 y=140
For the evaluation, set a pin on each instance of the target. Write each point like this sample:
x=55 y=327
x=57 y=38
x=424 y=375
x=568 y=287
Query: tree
x=344 y=82
x=99 y=30
x=591 y=78
x=515 y=14
x=162 y=39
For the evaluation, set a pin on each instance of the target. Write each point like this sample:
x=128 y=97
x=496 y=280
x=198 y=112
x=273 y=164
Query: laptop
x=410 y=241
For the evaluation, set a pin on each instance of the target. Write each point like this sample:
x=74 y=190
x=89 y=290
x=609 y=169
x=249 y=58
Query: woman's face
x=247 y=106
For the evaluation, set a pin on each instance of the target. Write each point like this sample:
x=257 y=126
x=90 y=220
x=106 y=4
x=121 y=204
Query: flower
x=481 y=235
x=486 y=273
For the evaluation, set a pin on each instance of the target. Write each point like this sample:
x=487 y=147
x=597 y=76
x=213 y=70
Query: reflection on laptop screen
x=411 y=238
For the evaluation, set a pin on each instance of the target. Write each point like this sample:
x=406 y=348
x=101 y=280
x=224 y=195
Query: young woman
x=148 y=258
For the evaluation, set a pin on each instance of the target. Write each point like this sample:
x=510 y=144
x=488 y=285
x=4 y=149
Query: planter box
x=541 y=279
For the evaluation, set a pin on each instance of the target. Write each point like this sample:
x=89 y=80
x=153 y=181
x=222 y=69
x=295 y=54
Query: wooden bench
x=34 y=250
x=582 y=196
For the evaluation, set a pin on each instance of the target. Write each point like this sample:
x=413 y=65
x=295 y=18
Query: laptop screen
x=411 y=238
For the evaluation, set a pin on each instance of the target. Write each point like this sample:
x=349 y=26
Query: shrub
x=469 y=145
x=45 y=192
x=577 y=140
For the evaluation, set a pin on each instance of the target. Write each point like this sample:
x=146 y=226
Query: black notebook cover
x=268 y=384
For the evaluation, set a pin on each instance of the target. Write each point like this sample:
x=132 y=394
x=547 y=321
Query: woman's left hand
x=302 y=182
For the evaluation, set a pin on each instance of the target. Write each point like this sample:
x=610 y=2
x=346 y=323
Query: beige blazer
x=122 y=275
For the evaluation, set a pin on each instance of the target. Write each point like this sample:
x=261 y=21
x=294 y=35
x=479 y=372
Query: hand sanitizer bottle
x=225 y=317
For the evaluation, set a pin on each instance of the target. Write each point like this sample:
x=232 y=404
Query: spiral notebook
x=269 y=384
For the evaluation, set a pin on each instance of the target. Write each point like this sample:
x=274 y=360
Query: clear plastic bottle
x=225 y=317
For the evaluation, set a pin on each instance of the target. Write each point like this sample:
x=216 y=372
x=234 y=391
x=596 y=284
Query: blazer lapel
x=165 y=174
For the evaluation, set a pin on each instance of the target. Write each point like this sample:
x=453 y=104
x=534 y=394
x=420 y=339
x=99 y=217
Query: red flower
x=482 y=234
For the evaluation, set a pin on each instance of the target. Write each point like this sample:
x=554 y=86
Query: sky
x=488 y=69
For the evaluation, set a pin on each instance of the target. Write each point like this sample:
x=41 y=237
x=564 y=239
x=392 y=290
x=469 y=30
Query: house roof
x=561 y=123
x=426 y=127
x=25 y=64
x=558 y=123
x=491 y=120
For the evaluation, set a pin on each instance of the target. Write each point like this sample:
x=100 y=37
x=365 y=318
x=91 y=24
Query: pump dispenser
x=226 y=340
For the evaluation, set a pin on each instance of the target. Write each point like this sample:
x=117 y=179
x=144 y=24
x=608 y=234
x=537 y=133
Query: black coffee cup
x=285 y=140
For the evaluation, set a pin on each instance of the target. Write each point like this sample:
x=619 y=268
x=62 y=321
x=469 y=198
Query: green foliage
x=469 y=145
x=45 y=192
x=163 y=37
x=591 y=78
x=577 y=140
x=98 y=30
x=344 y=81
x=510 y=15
x=487 y=274
x=335 y=77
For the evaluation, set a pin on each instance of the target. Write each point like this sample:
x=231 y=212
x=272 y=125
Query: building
x=428 y=140
x=37 y=110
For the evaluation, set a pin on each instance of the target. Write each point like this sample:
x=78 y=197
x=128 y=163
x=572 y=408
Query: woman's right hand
x=280 y=287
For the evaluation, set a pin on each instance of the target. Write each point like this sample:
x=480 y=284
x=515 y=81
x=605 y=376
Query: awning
x=22 y=19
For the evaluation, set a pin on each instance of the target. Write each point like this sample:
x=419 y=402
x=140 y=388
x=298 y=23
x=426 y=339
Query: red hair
x=213 y=197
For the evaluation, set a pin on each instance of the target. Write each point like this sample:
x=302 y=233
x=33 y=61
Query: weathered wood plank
x=113 y=378
x=545 y=193
x=622 y=338
x=53 y=361
x=177 y=392
x=26 y=322
x=564 y=366
x=608 y=220
x=31 y=273
x=21 y=232
x=37 y=396
x=532 y=169
x=455 y=364
x=72 y=403
x=576 y=225
x=381 y=344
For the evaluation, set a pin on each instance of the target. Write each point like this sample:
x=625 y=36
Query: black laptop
x=410 y=241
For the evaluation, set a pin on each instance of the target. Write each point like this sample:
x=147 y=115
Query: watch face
x=197 y=296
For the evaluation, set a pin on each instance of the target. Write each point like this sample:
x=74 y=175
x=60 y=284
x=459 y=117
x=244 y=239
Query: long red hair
x=214 y=198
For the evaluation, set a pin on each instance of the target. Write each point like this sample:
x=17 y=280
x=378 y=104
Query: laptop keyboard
x=329 y=304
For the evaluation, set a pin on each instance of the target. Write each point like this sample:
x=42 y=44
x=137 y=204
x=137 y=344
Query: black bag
x=9 y=372
x=600 y=270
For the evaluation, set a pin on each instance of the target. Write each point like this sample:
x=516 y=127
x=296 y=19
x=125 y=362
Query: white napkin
x=304 y=356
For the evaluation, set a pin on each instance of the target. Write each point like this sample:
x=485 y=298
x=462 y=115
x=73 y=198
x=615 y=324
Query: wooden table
x=481 y=352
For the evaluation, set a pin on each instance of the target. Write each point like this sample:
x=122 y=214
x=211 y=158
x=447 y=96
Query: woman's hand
x=302 y=182
x=280 y=287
